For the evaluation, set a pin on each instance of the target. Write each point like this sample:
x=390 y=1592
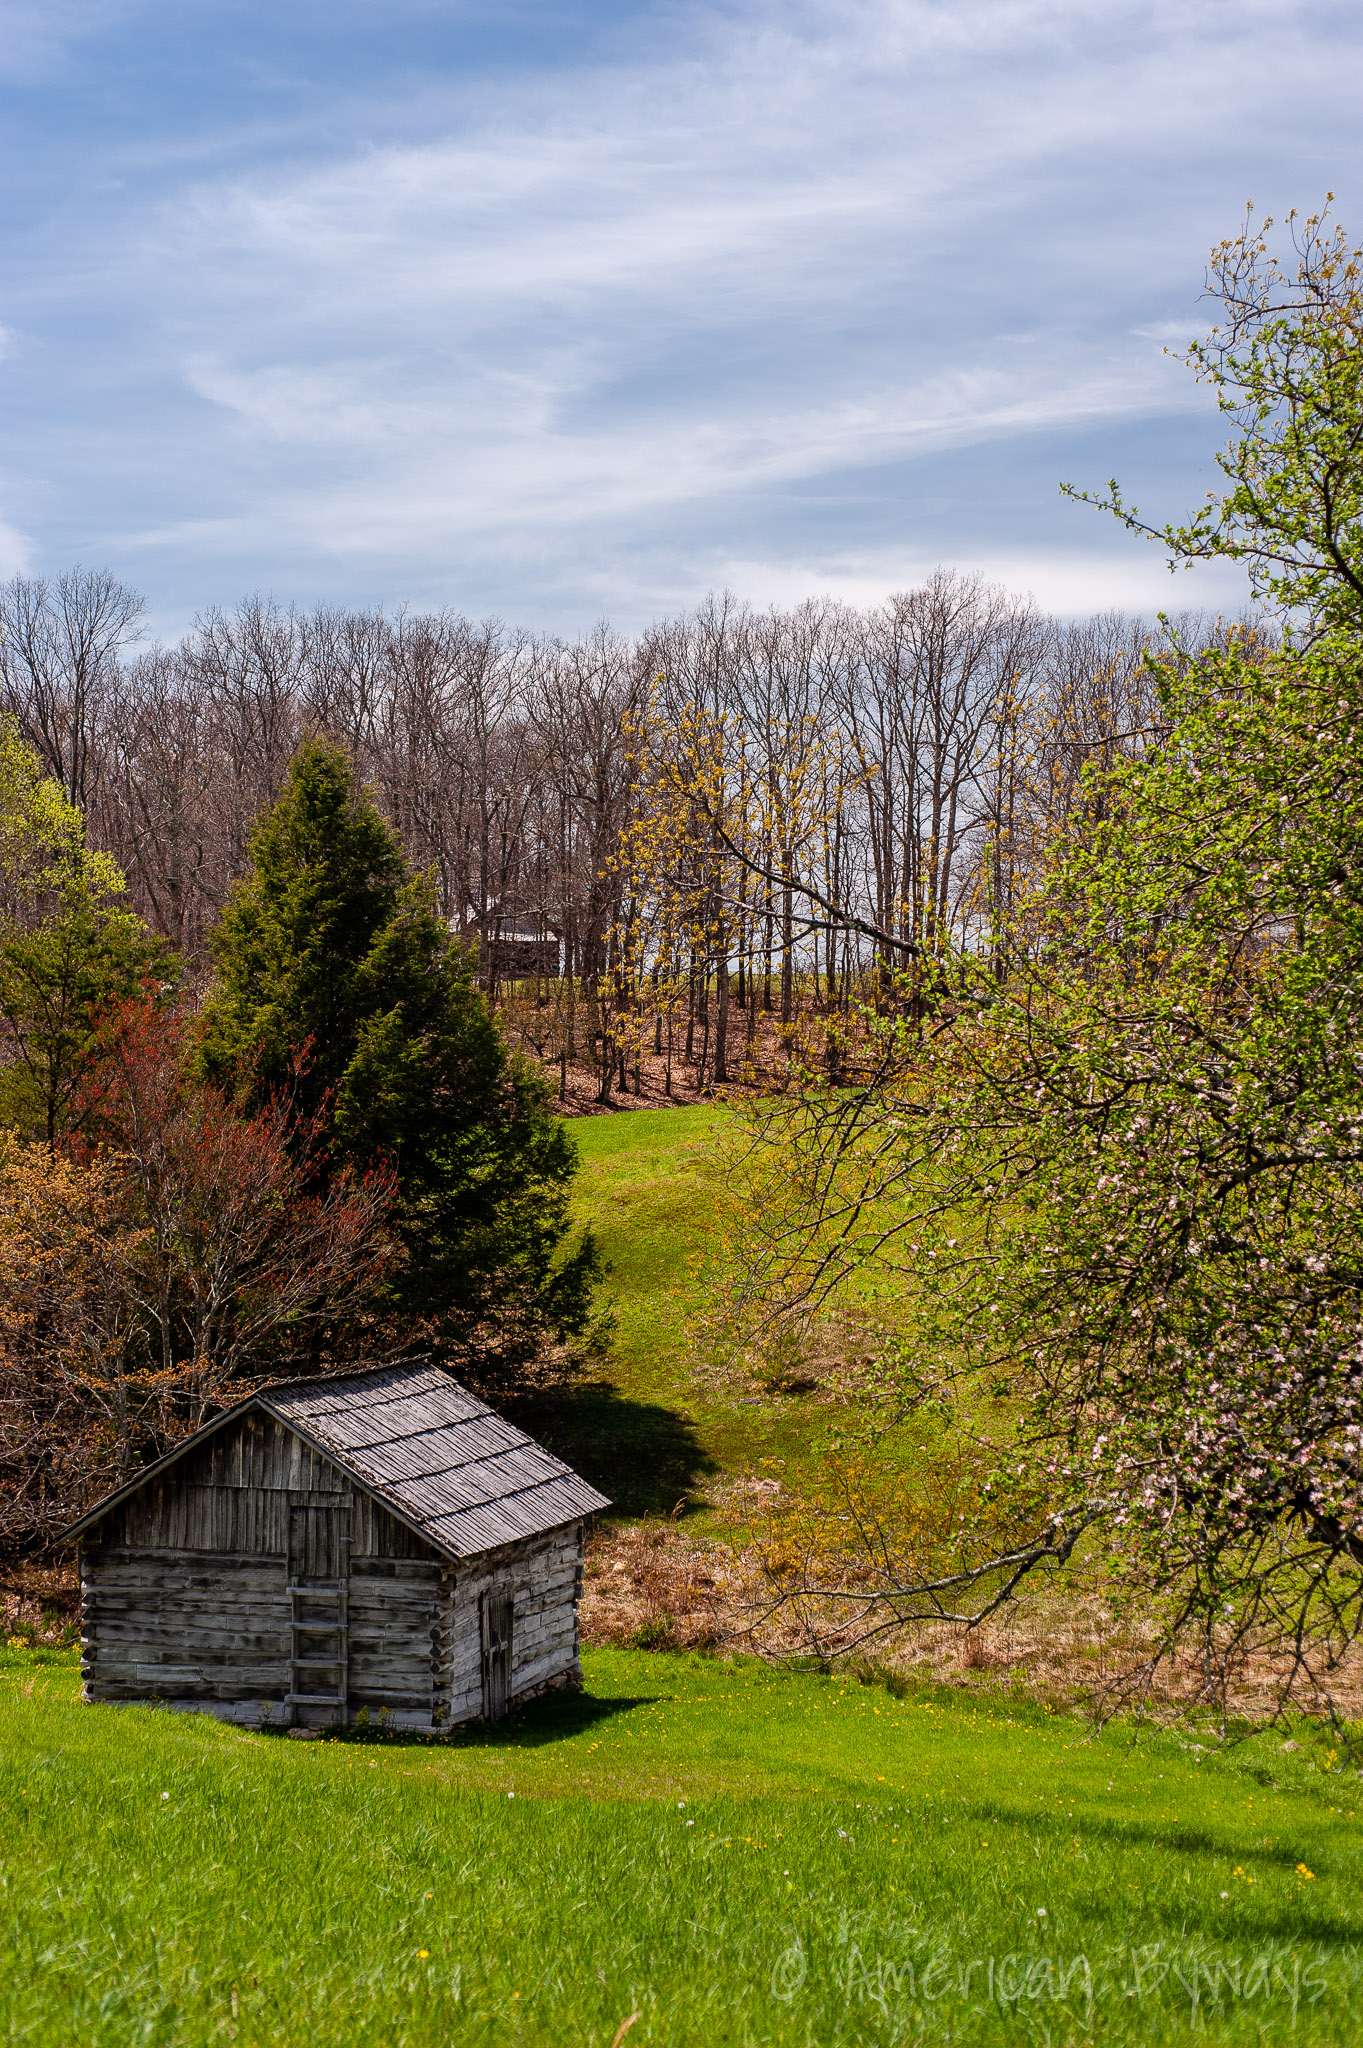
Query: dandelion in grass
x=1303 y=1872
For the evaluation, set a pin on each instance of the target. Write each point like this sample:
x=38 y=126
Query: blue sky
x=580 y=310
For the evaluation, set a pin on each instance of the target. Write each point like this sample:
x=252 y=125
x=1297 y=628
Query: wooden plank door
x=319 y=1617
x=319 y=1543
x=497 y=1612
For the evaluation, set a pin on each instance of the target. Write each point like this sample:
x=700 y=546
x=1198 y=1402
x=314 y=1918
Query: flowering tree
x=1121 y=1165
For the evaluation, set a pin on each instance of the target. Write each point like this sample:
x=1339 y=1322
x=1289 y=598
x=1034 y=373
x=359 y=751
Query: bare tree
x=876 y=784
x=59 y=649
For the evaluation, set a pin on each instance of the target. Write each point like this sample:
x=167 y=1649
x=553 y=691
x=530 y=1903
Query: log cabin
x=376 y=1541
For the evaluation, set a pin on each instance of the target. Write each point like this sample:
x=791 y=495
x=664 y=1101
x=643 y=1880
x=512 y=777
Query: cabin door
x=319 y=1543
x=497 y=1614
x=319 y=1617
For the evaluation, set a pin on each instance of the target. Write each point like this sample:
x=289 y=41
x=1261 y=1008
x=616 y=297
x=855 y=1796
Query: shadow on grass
x=645 y=1456
x=1218 y=1843
x=553 y=1717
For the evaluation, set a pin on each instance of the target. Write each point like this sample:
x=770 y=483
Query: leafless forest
x=677 y=853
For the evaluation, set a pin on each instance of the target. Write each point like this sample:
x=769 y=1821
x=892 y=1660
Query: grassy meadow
x=733 y=1854
x=693 y=1851
x=648 y=1188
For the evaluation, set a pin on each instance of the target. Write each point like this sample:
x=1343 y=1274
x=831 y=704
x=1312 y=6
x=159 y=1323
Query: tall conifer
x=337 y=978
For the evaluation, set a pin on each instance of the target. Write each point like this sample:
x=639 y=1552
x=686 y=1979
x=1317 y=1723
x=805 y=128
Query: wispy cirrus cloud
x=518 y=465
x=37 y=35
x=748 y=285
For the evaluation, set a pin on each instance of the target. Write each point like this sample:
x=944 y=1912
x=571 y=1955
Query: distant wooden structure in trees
x=379 y=1540
x=519 y=956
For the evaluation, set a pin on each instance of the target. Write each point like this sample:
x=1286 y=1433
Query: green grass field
x=643 y=1187
x=647 y=1186
x=734 y=1854
x=716 y=1853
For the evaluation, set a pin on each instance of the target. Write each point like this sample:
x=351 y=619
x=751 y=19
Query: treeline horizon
x=642 y=826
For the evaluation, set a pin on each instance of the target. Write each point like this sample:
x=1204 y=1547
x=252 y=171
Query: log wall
x=185 y=1596
x=544 y=1574
x=185 y=1593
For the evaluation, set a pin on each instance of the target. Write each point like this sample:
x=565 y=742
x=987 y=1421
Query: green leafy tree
x=1286 y=364
x=68 y=947
x=337 y=978
x=1124 y=1182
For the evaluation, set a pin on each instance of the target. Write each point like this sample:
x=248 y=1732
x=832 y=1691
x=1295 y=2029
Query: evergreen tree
x=338 y=980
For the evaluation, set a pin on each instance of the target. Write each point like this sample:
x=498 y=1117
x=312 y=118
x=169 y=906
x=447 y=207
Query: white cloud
x=1068 y=584
x=16 y=551
x=759 y=170
x=500 y=463
x=764 y=250
x=495 y=299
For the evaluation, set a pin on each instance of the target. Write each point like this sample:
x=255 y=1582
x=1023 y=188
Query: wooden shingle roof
x=453 y=1468
x=449 y=1466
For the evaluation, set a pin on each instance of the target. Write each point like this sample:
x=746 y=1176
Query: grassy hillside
x=647 y=1186
x=735 y=1855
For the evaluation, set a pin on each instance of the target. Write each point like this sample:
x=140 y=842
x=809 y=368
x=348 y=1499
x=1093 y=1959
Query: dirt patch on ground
x=578 y=1093
x=654 y=1586
x=759 y=1066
